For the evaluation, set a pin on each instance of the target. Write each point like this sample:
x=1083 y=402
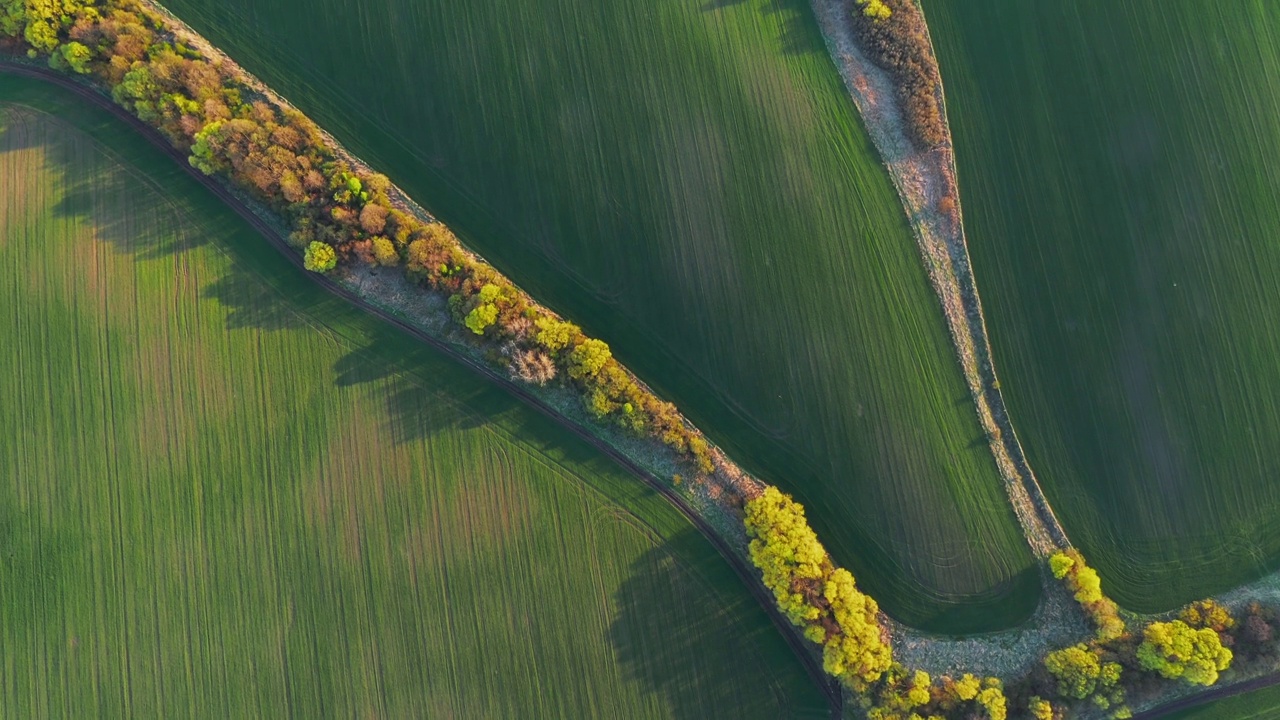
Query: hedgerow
x=1086 y=587
x=825 y=602
x=341 y=215
x=337 y=215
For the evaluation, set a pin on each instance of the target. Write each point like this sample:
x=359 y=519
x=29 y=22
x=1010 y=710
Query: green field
x=230 y=494
x=1118 y=172
x=688 y=179
x=1257 y=705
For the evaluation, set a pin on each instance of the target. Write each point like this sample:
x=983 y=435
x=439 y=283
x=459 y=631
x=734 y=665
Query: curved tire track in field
x=798 y=645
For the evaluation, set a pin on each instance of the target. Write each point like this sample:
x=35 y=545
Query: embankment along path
x=926 y=182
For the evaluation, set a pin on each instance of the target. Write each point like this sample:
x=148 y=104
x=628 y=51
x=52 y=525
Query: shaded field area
x=1119 y=176
x=691 y=182
x=232 y=494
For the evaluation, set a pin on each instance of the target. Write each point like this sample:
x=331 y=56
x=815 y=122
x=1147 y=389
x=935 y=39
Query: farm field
x=231 y=494
x=691 y=182
x=1257 y=705
x=1117 y=164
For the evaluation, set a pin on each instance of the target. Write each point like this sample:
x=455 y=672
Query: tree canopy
x=1177 y=651
x=320 y=258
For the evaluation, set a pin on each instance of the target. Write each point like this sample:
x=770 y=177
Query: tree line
x=825 y=603
x=338 y=214
x=1104 y=674
x=343 y=215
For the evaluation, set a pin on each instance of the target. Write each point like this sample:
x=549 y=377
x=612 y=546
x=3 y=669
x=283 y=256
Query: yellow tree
x=1176 y=650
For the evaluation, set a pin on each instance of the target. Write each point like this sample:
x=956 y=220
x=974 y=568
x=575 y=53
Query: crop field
x=1118 y=172
x=689 y=180
x=230 y=494
x=1257 y=705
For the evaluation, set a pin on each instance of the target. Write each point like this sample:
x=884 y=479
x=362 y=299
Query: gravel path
x=926 y=183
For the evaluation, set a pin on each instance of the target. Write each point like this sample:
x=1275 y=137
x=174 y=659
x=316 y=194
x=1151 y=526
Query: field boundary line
x=418 y=329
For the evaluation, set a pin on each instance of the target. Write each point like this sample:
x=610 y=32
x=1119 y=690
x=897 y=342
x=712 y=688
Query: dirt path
x=749 y=577
x=926 y=182
x=1217 y=693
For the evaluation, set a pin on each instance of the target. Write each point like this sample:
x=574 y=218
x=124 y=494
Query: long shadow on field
x=663 y=648
x=427 y=392
x=251 y=303
x=97 y=194
x=798 y=35
x=34 y=556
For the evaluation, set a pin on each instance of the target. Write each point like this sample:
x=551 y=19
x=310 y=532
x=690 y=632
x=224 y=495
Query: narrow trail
x=826 y=684
x=926 y=183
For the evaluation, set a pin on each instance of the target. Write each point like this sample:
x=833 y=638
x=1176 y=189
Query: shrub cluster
x=905 y=695
x=824 y=601
x=1116 y=664
x=894 y=36
x=1178 y=651
x=1086 y=587
x=337 y=214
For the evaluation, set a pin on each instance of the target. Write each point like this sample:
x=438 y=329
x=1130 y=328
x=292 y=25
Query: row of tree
x=1101 y=674
x=824 y=601
x=338 y=214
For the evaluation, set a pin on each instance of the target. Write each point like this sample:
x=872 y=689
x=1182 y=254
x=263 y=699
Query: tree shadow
x=251 y=303
x=679 y=651
x=424 y=390
x=34 y=560
x=799 y=33
x=94 y=187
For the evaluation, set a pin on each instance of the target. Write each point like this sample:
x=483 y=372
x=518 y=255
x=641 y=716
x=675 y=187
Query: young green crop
x=235 y=495
x=1118 y=175
x=689 y=182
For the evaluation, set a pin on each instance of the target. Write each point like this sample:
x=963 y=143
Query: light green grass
x=1118 y=170
x=229 y=494
x=1257 y=705
x=690 y=180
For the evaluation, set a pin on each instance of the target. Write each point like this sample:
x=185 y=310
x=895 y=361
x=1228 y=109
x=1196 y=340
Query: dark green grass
x=1118 y=164
x=229 y=494
x=690 y=180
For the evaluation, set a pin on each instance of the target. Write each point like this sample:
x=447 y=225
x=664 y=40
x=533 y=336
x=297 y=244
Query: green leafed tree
x=875 y=9
x=72 y=55
x=1076 y=669
x=1178 y=651
x=13 y=17
x=589 y=358
x=481 y=318
x=320 y=257
x=555 y=335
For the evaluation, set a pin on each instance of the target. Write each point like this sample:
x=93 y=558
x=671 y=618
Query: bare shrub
x=532 y=366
